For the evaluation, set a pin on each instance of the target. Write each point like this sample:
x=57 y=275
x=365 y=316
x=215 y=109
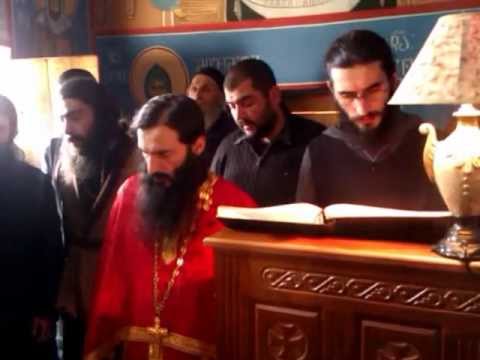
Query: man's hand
x=41 y=328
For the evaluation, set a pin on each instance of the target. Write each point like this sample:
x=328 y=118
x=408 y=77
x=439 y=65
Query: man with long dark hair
x=373 y=155
x=93 y=158
x=156 y=275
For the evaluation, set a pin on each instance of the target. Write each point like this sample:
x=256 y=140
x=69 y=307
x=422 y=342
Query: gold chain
x=159 y=306
x=204 y=202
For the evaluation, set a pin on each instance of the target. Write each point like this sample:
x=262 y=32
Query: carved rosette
x=287 y=341
x=398 y=351
x=372 y=290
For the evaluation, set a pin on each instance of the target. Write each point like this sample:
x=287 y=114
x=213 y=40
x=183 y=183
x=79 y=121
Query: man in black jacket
x=31 y=251
x=263 y=155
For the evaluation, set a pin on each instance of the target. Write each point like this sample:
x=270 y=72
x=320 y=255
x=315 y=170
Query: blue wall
x=295 y=52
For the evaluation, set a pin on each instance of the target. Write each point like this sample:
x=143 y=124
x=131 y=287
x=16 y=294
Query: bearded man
x=374 y=155
x=155 y=283
x=263 y=155
x=31 y=253
x=87 y=165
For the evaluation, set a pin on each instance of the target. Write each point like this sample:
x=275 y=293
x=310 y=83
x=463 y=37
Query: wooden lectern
x=300 y=298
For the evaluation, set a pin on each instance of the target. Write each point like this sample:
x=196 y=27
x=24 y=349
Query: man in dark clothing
x=374 y=154
x=88 y=165
x=31 y=254
x=206 y=88
x=263 y=156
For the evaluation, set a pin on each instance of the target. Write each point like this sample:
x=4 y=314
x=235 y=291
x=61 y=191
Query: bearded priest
x=155 y=297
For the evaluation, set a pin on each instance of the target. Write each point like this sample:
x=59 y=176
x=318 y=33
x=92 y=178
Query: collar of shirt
x=284 y=137
x=399 y=123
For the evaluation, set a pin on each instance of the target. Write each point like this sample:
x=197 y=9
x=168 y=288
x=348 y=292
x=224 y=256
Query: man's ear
x=198 y=145
x=275 y=95
x=394 y=81
x=330 y=86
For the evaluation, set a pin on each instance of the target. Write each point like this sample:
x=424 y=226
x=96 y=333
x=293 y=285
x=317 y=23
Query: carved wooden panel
x=230 y=339
x=286 y=334
x=387 y=341
x=468 y=348
x=371 y=290
x=283 y=302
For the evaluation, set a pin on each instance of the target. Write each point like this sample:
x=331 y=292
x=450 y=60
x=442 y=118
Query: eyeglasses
x=372 y=93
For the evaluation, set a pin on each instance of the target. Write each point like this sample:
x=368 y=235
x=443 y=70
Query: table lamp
x=447 y=71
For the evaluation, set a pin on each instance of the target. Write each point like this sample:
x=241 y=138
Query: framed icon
x=155 y=71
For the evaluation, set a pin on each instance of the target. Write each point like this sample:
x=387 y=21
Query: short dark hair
x=359 y=47
x=106 y=111
x=8 y=109
x=75 y=73
x=213 y=73
x=178 y=112
x=261 y=74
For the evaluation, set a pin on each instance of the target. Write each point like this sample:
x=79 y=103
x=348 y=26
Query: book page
x=301 y=213
x=343 y=211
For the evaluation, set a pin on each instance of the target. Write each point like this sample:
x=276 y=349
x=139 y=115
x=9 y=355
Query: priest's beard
x=82 y=163
x=167 y=204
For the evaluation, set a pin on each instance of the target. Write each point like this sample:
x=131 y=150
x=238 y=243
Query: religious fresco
x=50 y=28
x=151 y=15
x=128 y=15
x=271 y=9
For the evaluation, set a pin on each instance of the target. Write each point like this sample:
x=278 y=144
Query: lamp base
x=462 y=240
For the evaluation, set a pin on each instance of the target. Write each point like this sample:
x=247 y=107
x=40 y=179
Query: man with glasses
x=373 y=155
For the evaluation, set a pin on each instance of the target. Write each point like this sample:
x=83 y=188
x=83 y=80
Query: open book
x=304 y=213
x=338 y=217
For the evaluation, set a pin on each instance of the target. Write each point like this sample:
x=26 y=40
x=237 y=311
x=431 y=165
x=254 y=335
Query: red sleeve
x=230 y=194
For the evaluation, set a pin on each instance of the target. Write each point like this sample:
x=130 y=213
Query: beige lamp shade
x=447 y=68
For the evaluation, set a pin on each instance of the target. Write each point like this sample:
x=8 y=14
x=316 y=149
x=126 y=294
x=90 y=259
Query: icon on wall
x=155 y=71
x=49 y=28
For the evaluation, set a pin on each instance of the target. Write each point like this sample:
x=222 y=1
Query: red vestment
x=124 y=296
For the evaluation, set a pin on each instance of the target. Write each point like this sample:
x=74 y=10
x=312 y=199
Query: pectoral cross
x=158 y=334
x=158 y=339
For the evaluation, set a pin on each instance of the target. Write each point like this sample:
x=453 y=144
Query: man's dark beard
x=370 y=136
x=85 y=163
x=84 y=168
x=93 y=142
x=167 y=204
x=263 y=130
